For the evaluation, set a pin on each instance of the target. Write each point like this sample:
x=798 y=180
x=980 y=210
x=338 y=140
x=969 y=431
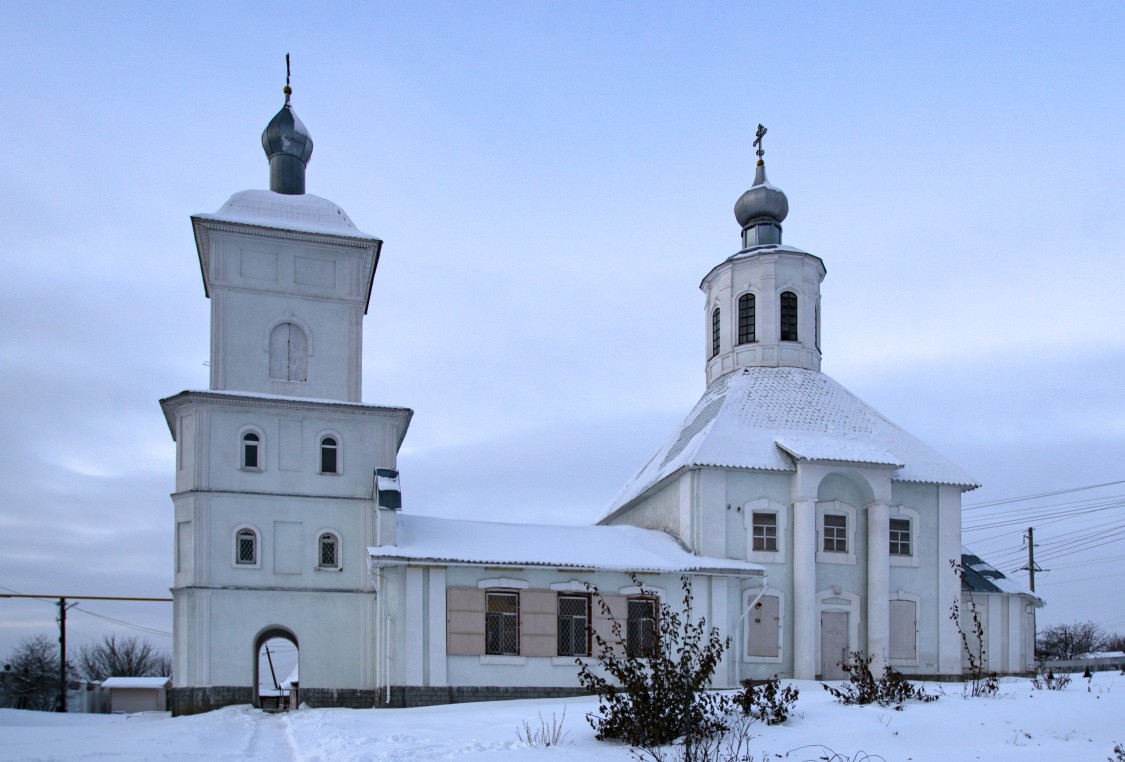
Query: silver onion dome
x=760 y=211
x=289 y=147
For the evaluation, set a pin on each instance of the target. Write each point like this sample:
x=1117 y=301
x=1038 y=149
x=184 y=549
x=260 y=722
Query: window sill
x=511 y=661
x=568 y=661
x=328 y=568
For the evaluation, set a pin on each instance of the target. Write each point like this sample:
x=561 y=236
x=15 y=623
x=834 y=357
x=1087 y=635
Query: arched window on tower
x=251 y=451
x=715 y=332
x=289 y=353
x=246 y=547
x=329 y=456
x=328 y=551
x=746 y=317
x=788 y=316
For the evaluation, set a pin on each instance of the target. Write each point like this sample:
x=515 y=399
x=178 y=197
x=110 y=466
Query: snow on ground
x=1082 y=722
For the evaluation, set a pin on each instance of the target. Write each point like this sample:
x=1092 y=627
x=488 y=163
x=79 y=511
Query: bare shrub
x=1049 y=681
x=892 y=689
x=547 y=734
x=766 y=700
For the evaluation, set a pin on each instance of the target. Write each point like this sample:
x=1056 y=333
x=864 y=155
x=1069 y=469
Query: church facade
x=807 y=525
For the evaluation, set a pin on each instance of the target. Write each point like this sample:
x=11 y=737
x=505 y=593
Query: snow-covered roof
x=305 y=213
x=425 y=539
x=136 y=682
x=769 y=418
x=979 y=576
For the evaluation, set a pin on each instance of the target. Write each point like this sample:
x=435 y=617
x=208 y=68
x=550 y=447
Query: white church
x=808 y=524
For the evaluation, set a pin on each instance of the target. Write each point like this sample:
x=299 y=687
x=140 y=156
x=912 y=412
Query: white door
x=833 y=644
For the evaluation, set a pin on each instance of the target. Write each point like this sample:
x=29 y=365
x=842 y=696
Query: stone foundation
x=183 y=701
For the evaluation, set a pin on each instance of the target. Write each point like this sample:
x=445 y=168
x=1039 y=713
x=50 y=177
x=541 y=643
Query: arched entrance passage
x=276 y=669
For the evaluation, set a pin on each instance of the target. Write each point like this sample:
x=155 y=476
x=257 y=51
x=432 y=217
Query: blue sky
x=552 y=181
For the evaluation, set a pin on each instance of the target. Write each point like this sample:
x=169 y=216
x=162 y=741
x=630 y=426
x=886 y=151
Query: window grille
x=574 y=617
x=715 y=332
x=788 y=316
x=765 y=531
x=250 y=442
x=900 y=537
x=641 y=627
x=835 y=533
x=328 y=453
x=746 y=318
x=329 y=558
x=246 y=547
x=501 y=624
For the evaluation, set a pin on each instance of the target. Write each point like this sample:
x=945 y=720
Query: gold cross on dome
x=761 y=133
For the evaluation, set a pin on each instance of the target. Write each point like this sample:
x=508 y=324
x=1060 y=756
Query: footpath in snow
x=1082 y=722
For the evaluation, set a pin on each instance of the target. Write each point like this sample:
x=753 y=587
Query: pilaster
x=878 y=591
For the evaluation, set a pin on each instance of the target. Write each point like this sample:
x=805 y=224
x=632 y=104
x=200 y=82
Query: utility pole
x=62 y=627
x=1031 y=568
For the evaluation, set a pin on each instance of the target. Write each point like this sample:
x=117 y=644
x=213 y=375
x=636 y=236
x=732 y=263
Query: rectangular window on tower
x=900 y=537
x=765 y=531
x=835 y=533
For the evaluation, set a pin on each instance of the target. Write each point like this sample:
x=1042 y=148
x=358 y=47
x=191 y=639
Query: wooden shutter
x=464 y=621
x=538 y=623
x=619 y=608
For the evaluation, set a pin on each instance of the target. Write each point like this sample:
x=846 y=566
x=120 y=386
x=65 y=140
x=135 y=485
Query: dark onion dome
x=289 y=147
x=762 y=200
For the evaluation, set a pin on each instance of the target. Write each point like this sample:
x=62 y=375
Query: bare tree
x=1068 y=641
x=1114 y=642
x=31 y=674
x=122 y=657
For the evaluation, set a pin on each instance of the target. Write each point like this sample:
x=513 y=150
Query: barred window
x=328 y=456
x=250 y=444
x=246 y=547
x=900 y=537
x=501 y=624
x=788 y=316
x=746 y=317
x=328 y=551
x=715 y=332
x=835 y=533
x=574 y=630
x=640 y=628
x=765 y=531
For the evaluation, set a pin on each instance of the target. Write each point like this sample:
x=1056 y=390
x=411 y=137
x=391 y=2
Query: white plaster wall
x=257 y=281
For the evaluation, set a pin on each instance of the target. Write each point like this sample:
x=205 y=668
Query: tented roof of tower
x=304 y=213
x=768 y=419
x=425 y=539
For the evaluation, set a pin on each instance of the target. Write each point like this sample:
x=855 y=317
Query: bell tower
x=763 y=302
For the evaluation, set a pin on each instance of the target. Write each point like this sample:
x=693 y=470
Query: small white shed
x=137 y=694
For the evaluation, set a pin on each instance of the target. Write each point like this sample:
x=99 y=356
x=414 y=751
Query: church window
x=328 y=551
x=746 y=316
x=501 y=624
x=251 y=451
x=715 y=332
x=900 y=537
x=289 y=353
x=765 y=531
x=574 y=630
x=246 y=547
x=835 y=533
x=640 y=630
x=329 y=456
x=788 y=316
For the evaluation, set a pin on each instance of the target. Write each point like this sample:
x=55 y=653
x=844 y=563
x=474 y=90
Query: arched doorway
x=276 y=669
